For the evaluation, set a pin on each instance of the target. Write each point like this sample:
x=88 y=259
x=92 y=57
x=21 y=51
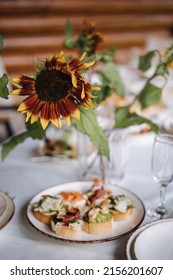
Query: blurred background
x=35 y=29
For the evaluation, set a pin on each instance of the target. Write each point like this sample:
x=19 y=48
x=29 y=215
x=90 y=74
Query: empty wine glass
x=162 y=172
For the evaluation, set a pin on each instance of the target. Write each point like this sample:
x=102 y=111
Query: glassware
x=162 y=172
x=92 y=164
x=59 y=143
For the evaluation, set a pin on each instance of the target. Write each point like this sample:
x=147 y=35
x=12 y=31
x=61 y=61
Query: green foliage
x=104 y=92
x=69 y=29
x=150 y=95
x=35 y=131
x=109 y=76
x=145 y=60
x=124 y=118
x=69 y=43
x=162 y=69
x=89 y=126
x=3 y=86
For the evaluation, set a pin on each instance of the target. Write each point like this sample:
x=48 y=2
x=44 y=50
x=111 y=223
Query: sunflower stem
x=102 y=167
x=90 y=165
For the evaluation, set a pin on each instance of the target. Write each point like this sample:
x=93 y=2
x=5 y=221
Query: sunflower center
x=53 y=85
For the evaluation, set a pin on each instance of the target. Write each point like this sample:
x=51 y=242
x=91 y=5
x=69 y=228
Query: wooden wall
x=36 y=28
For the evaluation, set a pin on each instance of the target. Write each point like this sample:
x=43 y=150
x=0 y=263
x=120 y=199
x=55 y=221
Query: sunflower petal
x=44 y=123
x=67 y=120
x=88 y=103
x=54 y=115
x=22 y=107
x=74 y=80
x=76 y=114
x=60 y=55
x=82 y=57
x=83 y=92
x=95 y=88
x=15 y=80
x=56 y=122
x=85 y=65
x=44 y=118
x=89 y=94
x=16 y=91
x=34 y=118
x=28 y=114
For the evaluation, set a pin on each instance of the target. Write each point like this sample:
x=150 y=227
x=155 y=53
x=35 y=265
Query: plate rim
x=12 y=212
x=4 y=208
x=135 y=235
x=86 y=241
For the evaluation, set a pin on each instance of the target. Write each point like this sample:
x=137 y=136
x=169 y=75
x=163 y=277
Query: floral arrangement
x=59 y=90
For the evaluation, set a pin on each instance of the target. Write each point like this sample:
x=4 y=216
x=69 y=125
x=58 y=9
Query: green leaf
x=150 y=95
x=123 y=118
x=110 y=76
x=162 y=69
x=34 y=131
x=3 y=87
x=68 y=29
x=101 y=95
x=88 y=125
x=145 y=61
x=1 y=42
x=37 y=132
x=112 y=49
x=69 y=43
x=121 y=113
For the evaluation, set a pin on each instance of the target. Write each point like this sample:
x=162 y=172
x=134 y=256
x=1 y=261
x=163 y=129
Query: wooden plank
x=84 y=7
x=55 y=43
x=52 y=25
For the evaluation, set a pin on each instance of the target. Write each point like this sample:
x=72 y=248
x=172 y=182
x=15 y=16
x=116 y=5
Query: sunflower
x=56 y=92
x=90 y=38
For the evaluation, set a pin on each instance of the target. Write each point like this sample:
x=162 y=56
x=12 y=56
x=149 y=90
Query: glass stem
x=162 y=196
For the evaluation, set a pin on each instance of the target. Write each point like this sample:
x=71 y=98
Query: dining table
x=22 y=175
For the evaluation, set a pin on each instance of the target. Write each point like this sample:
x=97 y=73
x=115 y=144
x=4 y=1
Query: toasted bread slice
x=118 y=216
x=65 y=231
x=97 y=228
x=42 y=217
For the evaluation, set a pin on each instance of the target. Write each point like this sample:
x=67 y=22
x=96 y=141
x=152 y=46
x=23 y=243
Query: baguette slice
x=42 y=217
x=97 y=228
x=118 y=216
x=68 y=224
x=64 y=230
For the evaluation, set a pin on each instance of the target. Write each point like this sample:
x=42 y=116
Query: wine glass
x=162 y=172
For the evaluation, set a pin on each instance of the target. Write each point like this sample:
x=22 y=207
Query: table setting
x=19 y=233
x=81 y=181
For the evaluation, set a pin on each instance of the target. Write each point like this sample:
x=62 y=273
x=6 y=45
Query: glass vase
x=93 y=164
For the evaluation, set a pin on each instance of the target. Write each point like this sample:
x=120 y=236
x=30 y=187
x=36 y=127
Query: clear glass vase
x=93 y=164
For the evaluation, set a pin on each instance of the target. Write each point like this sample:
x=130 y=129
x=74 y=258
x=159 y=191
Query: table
x=22 y=178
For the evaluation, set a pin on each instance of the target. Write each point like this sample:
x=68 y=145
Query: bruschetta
x=68 y=224
x=46 y=207
x=97 y=221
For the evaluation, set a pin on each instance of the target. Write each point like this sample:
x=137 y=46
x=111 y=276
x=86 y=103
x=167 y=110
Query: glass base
x=160 y=213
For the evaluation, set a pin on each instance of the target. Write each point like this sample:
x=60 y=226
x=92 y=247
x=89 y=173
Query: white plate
x=119 y=228
x=8 y=210
x=2 y=204
x=158 y=239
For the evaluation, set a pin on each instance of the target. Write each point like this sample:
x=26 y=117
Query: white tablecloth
x=22 y=178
